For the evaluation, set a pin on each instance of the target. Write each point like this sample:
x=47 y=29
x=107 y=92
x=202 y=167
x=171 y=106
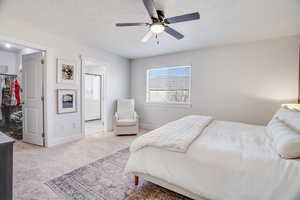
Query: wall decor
x=66 y=71
x=66 y=101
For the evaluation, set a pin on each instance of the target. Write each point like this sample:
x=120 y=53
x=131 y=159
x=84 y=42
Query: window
x=169 y=85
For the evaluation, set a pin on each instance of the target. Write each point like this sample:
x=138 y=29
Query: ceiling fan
x=160 y=22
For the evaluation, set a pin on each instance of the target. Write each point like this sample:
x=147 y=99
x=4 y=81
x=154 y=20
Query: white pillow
x=285 y=140
x=294 y=107
x=289 y=117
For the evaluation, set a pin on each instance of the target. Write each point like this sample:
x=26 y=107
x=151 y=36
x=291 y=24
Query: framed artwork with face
x=66 y=71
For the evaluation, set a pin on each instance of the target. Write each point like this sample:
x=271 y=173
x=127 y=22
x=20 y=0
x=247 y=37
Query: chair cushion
x=125 y=109
x=286 y=141
x=126 y=122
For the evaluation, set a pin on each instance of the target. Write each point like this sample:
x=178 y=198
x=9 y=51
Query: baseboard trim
x=63 y=140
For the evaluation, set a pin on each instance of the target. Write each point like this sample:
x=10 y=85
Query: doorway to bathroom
x=93 y=101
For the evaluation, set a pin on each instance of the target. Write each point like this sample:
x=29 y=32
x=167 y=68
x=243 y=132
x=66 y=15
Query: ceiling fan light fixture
x=159 y=23
x=157 y=28
x=7 y=45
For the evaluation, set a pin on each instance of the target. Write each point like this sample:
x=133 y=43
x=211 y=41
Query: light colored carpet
x=104 y=179
x=33 y=165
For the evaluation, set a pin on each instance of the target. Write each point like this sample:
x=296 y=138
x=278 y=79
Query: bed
x=226 y=161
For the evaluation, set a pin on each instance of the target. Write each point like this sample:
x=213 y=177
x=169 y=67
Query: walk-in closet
x=12 y=89
x=11 y=108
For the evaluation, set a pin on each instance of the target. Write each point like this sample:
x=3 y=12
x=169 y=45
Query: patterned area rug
x=104 y=179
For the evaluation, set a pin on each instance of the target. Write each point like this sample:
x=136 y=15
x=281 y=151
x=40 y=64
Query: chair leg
x=136 y=180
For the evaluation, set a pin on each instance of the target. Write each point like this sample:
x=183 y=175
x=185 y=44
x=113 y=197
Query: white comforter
x=174 y=136
x=228 y=161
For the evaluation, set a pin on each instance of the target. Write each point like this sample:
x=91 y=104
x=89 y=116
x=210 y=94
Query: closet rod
x=13 y=75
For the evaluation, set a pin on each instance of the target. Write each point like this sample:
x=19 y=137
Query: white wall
x=243 y=82
x=9 y=59
x=67 y=127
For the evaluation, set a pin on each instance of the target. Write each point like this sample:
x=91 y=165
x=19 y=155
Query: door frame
x=86 y=61
x=45 y=53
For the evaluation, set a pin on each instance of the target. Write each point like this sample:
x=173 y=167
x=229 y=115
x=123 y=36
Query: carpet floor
x=34 y=165
x=104 y=179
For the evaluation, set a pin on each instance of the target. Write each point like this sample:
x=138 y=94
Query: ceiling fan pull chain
x=157 y=40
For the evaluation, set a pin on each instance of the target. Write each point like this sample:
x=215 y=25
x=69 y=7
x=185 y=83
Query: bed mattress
x=228 y=161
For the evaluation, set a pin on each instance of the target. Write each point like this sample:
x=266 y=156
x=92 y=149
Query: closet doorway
x=93 y=97
x=21 y=93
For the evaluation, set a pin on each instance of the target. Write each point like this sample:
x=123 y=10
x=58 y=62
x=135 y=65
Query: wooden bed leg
x=136 y=180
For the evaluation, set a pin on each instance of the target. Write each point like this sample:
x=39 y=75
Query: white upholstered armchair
x=126 y=120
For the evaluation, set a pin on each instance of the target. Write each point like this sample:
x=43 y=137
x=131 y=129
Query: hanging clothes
x=13 y=91
x=6 y=96
x=6 y=93
x=18 y=92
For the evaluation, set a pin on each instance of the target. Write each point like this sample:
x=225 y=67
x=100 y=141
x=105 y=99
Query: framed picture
x=66 y=101
x=66 y=71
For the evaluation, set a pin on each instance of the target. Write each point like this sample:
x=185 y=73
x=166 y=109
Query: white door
x=33 y=131
x=92 y=97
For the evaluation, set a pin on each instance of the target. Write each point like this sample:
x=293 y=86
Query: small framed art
x=66 y=71
x=66 y=101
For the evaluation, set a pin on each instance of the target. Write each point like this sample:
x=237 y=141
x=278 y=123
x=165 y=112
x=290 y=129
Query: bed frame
x=166 y=185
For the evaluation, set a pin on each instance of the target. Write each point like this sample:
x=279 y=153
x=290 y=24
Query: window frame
x=188 y=104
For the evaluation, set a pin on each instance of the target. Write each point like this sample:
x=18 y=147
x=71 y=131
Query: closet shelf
x=12 y=75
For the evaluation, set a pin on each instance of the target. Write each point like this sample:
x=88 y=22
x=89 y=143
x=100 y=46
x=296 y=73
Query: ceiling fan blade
x=183 y=18
x=131 y=24
x=174 y=33
x=147 y=36
x=149 y=4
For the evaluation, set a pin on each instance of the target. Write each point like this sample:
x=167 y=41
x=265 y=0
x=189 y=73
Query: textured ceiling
x=222 y=22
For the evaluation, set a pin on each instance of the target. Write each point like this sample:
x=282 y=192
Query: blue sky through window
x=178 y=71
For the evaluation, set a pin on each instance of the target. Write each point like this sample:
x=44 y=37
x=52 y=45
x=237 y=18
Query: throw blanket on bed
x=174 y=136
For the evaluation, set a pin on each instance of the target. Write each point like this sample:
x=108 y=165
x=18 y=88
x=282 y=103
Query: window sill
x=170 y=105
